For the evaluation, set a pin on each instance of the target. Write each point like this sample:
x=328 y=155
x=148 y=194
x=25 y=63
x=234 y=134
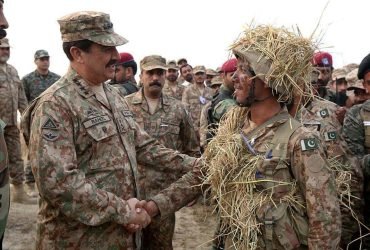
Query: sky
x=199 y=30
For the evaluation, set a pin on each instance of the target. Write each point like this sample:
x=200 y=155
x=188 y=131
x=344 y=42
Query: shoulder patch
x=324 y=113
x=330 y=136
x=49 y=124
x=309 y=144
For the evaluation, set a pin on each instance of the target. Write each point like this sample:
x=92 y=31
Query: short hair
x=183 y=66
x=84 y=45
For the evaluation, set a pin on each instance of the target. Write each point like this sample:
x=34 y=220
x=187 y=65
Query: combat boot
x=19 y=195
x=31 y=190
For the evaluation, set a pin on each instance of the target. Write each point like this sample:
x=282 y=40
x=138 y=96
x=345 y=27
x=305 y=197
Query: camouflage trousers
x=13 y=144
x=158 y=235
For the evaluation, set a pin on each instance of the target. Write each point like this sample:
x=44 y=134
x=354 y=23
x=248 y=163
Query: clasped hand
x=141 y=213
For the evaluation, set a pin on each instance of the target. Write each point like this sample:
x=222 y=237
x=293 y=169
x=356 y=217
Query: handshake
x=141 y=214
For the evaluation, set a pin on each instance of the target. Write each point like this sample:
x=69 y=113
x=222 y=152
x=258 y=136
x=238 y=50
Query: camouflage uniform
x=84 y=151
x=34 y=83
x=203 y=125
x=4 y=182
x=167 y=90
x=194 y=102
x=126 y=88
x=356 y=133
x=172 y=127
x=84 y=157
x=319 y=224
x=319 y=115
x=12 y=99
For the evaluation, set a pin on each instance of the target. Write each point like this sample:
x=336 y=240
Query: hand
x=340 y=113
x=139 y=217
x=151 y=208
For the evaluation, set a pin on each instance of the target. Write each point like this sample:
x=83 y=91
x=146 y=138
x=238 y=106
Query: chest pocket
x=169 y=126
x=100 y=128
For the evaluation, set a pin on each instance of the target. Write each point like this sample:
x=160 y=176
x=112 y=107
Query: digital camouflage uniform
x=84 y=156
x=126 y=88
x=34 y=84
x=84 y=151
x=356 y=132
x=12 y=99
x=172 y=127
x=4 y=182
x=319 y=115
x=203 y=125
x=319 y=224
x=167 y=90
x=194 y=102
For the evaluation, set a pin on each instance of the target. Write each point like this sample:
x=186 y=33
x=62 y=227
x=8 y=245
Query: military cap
x=322 y=59
x=211 y=72
x=364 y=67
x=338 y=74
x=41 y=53
x=153 y=62
x=4 y=43
x=350 y=67
x=198 y=69
x=90 y=25
x=353 y=81
x=229 y=65
x=172 y=65
x=217 y=80
x=124 y=58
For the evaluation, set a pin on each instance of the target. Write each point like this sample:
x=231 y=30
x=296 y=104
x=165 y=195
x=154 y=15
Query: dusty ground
x=194 y=227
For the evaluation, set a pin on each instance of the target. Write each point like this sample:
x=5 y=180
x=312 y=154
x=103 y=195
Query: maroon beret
x=322 y=59
x=125 y=58
x=229 y=65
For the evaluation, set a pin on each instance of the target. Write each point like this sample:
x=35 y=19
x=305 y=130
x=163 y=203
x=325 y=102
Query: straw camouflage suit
x=272 y=183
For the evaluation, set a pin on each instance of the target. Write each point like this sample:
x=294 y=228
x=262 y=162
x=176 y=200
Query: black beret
x=364 y=66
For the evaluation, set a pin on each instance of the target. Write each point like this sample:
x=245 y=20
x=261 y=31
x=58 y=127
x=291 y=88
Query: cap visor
x=151 y=67
x=109 y=39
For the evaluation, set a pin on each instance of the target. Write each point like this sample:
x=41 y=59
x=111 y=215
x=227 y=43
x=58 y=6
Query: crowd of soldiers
x=111 y=160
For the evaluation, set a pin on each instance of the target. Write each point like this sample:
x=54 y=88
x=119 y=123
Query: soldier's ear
x=76 y=54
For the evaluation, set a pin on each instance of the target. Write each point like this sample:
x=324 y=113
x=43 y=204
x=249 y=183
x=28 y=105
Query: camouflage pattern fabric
x=306 y=165
x=194 y=101
x=12 y=97
x=223 y=102
x=319 y=115
x=158 y=235
x=4 y=182
x=84 y=155
x=356 y=127
x=167 y=90
x=13 y=144
x=203 y=125
x=34 y=83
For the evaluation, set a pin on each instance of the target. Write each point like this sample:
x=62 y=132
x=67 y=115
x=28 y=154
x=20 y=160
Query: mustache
x=110 y=63
x=2 y=33
x=155 y=84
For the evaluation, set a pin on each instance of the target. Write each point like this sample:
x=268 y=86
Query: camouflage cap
x=172 y=65
x=350 y=67
x=217 y=80
x=353 y=81
x=338 y=74
x=153 y=62
x=211 y=72
x=4 y=43
x=90 y=25
x=41 y=53
x=198 y=69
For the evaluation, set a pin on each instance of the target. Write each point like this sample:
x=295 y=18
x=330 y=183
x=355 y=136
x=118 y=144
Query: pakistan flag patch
x=330 y=136
x=309 y=144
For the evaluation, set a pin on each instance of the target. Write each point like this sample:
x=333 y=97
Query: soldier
x=196 y=96
x=180 y=63
x=323 y=62
x=210 y=74
x=186 y=72
x=360 y=94
x=356 y=133
x=42 y=78
x=320 y=115
x=85 y=145
x=290 y=154
x=34 y=84
x=337 y=93
x=4 y=170
x=12 y=99
x=124 y=76
x=165 y=119
x=203 y=123
x=172 y=87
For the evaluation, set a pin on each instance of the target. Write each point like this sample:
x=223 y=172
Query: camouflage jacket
x=172 y=127
x=12 y=97
x=222 y=103
x=84 y=155
x=203 y=125
x=167 y=90
x=319 y=115
x=34 y=83
x=194 y=102
x=305 y=163
x=4 y=181
x=126 y=88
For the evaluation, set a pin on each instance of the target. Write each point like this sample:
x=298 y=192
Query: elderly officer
x=85 y=145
